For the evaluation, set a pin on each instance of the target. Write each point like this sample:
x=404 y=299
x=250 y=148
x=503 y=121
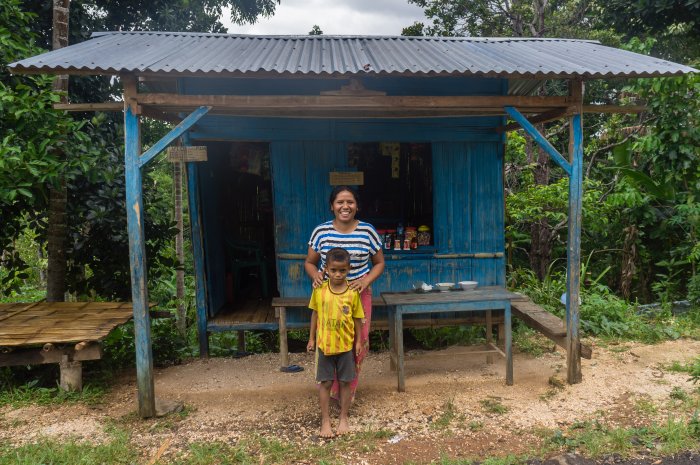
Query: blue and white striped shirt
x=361 y=244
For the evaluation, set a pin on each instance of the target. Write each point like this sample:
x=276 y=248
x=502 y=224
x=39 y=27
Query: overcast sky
x=335 y=17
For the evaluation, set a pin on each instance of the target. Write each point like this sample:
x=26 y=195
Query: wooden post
x=284 y=345
x=392 y=339
x=489 y=335
x=398 y=348
x=71 y=376
x=508 y=345
x=573 y=262
x=179 y=252
x=137 y=260
x=198 y=254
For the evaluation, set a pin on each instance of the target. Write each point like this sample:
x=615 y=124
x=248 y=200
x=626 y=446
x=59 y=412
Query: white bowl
x=468 y=285
x=444 y=286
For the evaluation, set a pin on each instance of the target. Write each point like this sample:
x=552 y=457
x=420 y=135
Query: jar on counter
x=389 y=238
x=411 y=232
x=423 y=236
x=411 y=235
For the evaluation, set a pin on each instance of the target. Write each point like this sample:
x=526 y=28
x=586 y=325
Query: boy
x=336 y=325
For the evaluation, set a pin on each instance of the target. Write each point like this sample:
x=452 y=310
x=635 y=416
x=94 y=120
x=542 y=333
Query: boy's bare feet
x=343 y=427
x=326 y=430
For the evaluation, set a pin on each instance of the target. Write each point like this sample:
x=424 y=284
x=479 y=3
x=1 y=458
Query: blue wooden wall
x=467 y=168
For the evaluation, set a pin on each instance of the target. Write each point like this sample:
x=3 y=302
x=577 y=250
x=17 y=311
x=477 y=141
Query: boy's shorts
x=342 y=365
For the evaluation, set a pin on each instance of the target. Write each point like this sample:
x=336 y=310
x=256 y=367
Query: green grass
x=30 y=394
x=531 y=342
x=448 y=414
x=595 y=440
x=493 y=405
x=49 y=451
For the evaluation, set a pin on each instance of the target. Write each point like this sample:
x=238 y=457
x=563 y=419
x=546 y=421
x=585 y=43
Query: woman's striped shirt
x=361 y=244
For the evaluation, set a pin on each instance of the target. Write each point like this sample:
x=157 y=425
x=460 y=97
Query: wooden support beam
x=173 y=134
x=130 y=87
x=104 y=106
x=544 y=117
x=198 y=254
x=573 y=255
x=328 y=102
x=41 y=356
x=539 y=139
x=137 y=261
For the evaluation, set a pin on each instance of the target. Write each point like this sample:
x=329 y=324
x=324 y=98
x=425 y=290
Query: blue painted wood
x=573 y=262
x=440 y=307
x=174 y=133
x=210 y=187
x=401 y=304
x=400 y=274
x=198 y=254
x=300 y=201
x=403 y=130
x=485 y=201
x=137 y=262
x=539 y=138
x=468 y=209
x=392 y=85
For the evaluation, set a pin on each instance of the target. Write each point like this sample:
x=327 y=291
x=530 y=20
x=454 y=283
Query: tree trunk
x=180 y=251
x=56 y=234
x=541 y=235
x=629 y=261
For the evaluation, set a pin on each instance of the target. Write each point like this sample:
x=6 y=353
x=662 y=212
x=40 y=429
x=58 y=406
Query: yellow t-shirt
x=335 y=328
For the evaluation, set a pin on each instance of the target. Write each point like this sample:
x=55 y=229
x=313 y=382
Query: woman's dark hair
x=338 y=189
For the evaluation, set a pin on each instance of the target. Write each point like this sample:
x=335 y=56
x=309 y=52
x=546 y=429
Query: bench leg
x=398 y=338
x=392 y=340
x=509 y=346
x=489 y=335
x=500 y=334
x=284 y=349
x=241 y=342
x=71 y=376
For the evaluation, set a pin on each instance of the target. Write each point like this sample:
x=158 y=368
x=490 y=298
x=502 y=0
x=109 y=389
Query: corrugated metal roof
x=187 y=53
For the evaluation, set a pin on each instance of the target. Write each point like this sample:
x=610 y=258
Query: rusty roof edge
x=323 y=74
x=345 y=37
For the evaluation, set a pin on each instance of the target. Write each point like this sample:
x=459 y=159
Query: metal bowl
x=444 y=286
x=468 y=285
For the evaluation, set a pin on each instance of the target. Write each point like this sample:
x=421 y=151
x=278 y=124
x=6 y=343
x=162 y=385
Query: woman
x=363 y=243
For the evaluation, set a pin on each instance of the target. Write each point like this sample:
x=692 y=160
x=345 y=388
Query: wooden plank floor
x=252 y=312
x=39 y=323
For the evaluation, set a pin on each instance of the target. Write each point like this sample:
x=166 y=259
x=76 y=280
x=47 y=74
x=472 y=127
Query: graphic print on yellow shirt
x=335 y=329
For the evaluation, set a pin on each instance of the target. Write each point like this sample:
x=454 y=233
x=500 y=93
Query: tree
x=34 y=137
x=34 y=134
x=58 y=196
x=674 y=24
x=499 y=18
x=316 y=30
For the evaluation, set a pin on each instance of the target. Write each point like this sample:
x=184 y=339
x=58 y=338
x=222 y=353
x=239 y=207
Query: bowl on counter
x=421 y=286
x=468 y=285
x=444 y=287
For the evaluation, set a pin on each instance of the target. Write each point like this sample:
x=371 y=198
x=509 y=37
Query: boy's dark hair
x=337 y=254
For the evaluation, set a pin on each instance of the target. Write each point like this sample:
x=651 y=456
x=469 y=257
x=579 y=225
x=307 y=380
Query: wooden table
x=481 y=299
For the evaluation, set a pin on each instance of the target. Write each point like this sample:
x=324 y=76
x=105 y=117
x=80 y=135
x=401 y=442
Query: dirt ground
x=444 y=411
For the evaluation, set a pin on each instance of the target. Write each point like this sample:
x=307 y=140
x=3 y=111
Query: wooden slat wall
x=60 y=322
